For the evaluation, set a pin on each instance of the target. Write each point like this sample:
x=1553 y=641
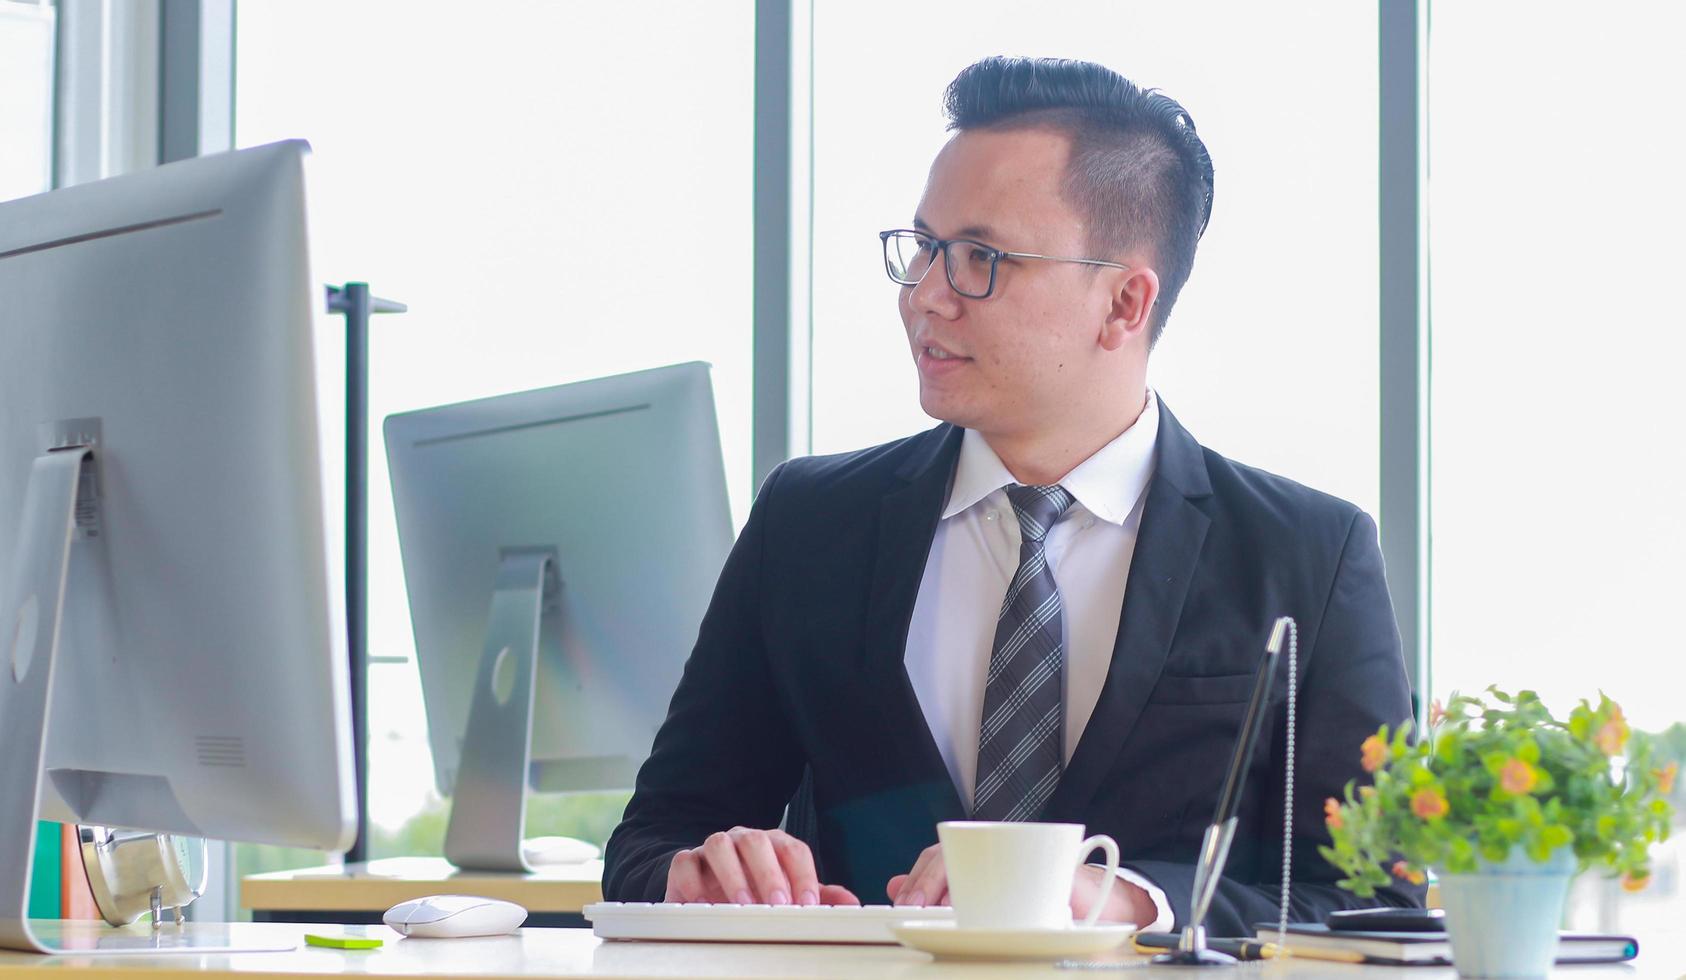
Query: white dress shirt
x=973 y=558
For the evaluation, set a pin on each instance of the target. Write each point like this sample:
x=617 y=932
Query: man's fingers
x=893 y=889
x=931 y=883
x=712 y=892
x=928 y=880
x=720 y=853
x=748 y=866
x=684 y=879
x=761 y=866
x=895 y=886
x=904 y=893
x=837 y=895
x=798 y=864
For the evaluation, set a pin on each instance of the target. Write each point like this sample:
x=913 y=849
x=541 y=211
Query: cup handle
x=1110 y=846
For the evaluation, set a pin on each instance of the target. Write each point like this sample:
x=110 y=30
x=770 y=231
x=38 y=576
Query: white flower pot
x=1503 y=919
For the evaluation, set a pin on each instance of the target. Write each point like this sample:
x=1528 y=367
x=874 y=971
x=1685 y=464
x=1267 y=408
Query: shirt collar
x=1107 y=484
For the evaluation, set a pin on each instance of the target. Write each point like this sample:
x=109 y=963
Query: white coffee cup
x=1019 y=875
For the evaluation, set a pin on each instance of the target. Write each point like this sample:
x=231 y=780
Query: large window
x=559 y=191
x=563 y=190
x=1270 y=354
x=1557 y=475
x=26 y=98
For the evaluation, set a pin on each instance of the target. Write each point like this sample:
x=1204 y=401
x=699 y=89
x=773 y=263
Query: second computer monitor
x=618 y=484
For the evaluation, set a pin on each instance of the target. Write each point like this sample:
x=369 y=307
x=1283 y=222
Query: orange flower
x=1375 y=753
x=1332 y=814
x=1612 y=736
x=1429 y=803
x=1665 y=777
x=1404 y=873
x=1518 y=777
x=1436 y=713
x=1632 y=883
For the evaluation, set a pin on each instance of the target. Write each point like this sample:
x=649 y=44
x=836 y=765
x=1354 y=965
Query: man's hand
x=1127 y=902
x=751 y=867
x=927 y=884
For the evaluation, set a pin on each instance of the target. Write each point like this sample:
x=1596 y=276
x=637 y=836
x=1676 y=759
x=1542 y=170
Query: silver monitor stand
x=61 y=505
x=489 y=806
x=32 y=608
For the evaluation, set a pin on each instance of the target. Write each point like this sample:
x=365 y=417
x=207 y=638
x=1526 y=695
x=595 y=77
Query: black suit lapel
x=907 y=523
x=1173 y=529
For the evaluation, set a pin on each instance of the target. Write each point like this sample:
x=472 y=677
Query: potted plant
x=1505 y=803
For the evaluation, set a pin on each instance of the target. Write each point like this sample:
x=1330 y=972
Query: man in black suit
x=1051 y=606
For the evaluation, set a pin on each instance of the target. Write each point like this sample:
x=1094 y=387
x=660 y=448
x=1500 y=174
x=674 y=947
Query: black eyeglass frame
x=995 y=257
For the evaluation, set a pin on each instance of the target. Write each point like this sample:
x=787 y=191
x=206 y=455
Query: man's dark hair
x=1138 y=170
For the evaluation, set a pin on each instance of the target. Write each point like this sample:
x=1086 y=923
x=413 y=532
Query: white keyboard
x=702 y=922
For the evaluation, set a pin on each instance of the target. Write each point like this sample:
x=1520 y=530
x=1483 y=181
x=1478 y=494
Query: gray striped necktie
x=1019 y=740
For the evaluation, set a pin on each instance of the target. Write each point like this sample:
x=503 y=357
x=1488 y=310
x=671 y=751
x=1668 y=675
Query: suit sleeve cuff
x=1164 y=920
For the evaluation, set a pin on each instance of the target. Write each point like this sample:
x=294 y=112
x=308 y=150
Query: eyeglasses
x=970 y=265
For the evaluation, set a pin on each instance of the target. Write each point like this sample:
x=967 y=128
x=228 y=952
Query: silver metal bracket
x=29 y=634
x=60 y=503
x=489 y=801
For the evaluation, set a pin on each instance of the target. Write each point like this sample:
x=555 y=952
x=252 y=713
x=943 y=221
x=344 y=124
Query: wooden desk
x=361 y=892
x=576 y=953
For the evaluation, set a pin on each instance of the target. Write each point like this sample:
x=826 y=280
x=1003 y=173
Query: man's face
x=1025 y=360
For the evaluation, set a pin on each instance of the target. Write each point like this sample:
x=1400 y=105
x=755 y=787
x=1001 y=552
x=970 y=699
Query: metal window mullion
x=105 y=98
x=800 y=360
x=782 y=213
x=195 y=78
x=1404 y=334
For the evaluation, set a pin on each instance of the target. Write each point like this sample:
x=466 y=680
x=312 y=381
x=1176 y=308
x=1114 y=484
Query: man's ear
x=1130 y=315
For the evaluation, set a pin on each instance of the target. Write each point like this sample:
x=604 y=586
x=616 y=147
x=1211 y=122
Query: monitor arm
x=29 y=634
x=489 y=802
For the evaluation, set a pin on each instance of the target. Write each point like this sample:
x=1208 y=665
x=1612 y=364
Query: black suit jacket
x=799 y=663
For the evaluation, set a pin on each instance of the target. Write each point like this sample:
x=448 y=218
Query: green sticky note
x=341 y=942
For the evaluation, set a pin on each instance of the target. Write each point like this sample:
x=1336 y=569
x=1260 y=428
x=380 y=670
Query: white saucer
x=945 y=940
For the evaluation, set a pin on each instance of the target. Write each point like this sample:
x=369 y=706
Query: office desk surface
x=375 y=886
x=576 y=953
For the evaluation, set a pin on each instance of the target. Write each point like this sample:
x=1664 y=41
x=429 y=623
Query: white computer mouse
x=455 y=916
x=558 y=850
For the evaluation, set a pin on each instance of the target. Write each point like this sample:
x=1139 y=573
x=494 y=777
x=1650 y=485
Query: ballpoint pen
x=1214 y=847
x=1246 y=949
x=1240 y=949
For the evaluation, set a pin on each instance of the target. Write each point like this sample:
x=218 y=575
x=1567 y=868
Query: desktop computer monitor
x=172 y=647
x=560 y=547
